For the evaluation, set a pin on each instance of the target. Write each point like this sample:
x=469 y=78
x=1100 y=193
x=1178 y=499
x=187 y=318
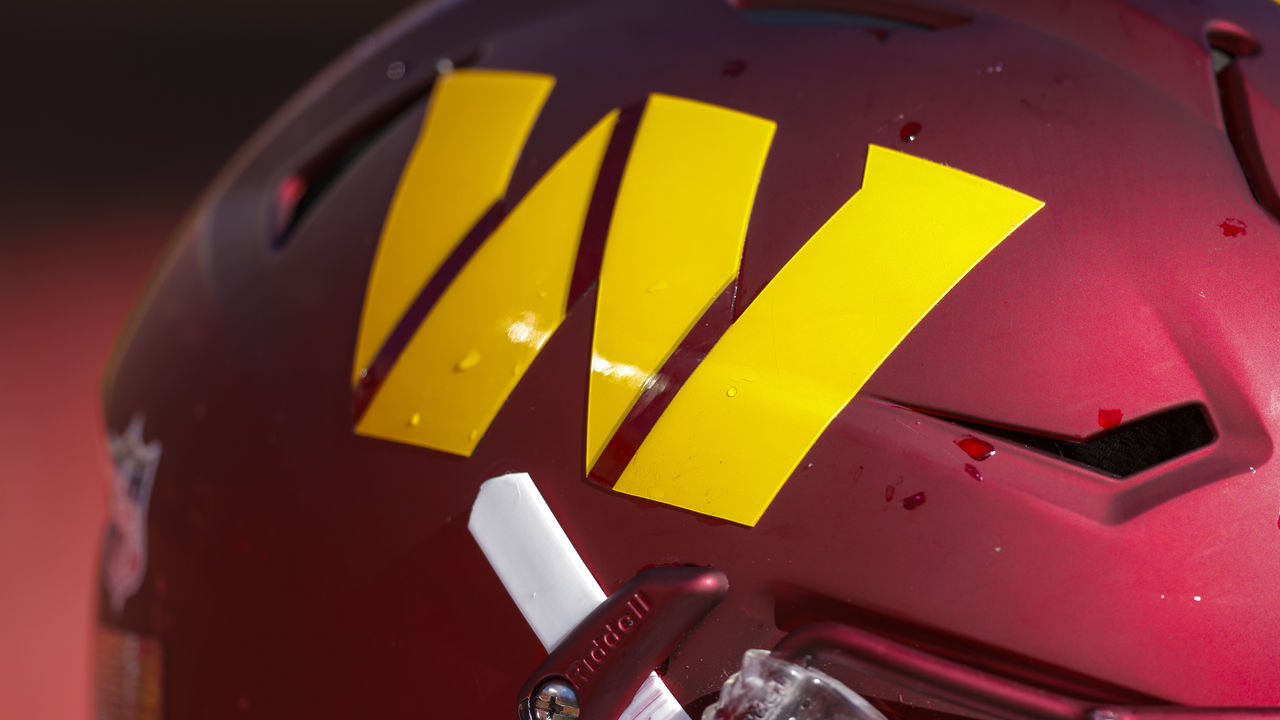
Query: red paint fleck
x=881 y=33
x=1232 y=227
x=908 y=132
x=288 y=193
x=1109 y=418
x=734 y=68
x=914 y=501
x=973 y=472
x=888 y=493
x=975 y=448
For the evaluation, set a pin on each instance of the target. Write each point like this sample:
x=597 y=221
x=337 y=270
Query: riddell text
x=614 y=634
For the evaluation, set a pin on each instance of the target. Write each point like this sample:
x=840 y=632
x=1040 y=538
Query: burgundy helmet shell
x=1060 y=476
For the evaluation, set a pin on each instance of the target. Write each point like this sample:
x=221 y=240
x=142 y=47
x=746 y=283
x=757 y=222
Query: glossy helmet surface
x=700 y=227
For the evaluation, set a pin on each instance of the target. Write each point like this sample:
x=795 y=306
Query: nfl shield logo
x=125 y=548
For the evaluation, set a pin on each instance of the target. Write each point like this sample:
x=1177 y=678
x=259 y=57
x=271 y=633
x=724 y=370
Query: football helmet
x=543 y=359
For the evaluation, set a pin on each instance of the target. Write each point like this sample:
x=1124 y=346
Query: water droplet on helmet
x=468 y=361
x=415 y=419
x=914 y=501
x=973 y=472
x=908 y=132
x=395 y=70
x=658 y=287
x=731 y=392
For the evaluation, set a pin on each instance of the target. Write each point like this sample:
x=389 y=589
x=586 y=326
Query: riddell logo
x=615 y=634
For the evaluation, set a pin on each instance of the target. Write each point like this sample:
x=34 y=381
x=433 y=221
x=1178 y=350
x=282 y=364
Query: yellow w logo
x=440 y=348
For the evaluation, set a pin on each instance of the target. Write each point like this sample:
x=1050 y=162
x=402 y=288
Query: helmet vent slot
x=1124 y=450
x=297 y=192
x=1227 y=44
x=898 y=14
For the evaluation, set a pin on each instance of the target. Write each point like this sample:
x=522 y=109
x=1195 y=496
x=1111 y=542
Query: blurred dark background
x=112 y=118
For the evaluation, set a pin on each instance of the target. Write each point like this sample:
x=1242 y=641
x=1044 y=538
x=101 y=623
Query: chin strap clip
x=594 y=672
